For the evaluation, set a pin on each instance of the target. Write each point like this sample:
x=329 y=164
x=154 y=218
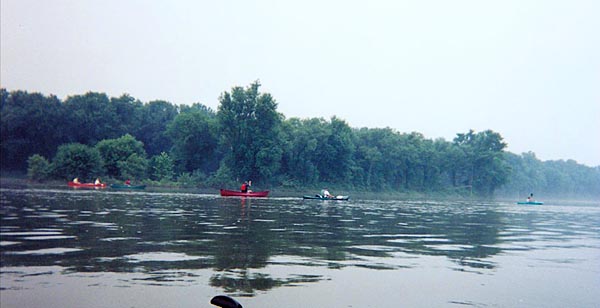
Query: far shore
x=22 y=182
x=19 y=181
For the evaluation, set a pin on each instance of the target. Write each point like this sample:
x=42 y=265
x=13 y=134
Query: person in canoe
x=530 y=198
x=76 y=180
x=97 y=182
x=245 y=186
x=128 y=182
x=325 y=193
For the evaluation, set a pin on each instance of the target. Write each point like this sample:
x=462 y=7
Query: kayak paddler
x=245 y=186
x=325 y=193
x=530 y=198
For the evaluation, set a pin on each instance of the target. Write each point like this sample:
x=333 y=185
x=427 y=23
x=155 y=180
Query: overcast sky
x=529 y=70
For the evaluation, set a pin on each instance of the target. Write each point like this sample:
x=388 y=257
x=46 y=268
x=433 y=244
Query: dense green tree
x=135 y=167
x=114 y=151
x=77 y=160
x=249 y=126
x=248 y=139
x=194 y=136
x=3 y=98
x=378 y=158
x=335 y=153
x=128 y=113
x=161 y=167
x=483 y=161
x=154 y=118
x=301 y=140
x=90 y=118
x=30 y=124
x=38 y=168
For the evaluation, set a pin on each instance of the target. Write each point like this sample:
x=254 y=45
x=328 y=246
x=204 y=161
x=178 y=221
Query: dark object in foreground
x=225 y=302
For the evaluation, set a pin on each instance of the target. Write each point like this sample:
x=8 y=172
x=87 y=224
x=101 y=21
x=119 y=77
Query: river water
x=103 y=248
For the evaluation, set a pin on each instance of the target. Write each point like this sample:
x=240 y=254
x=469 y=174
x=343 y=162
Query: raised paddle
x=225 y=302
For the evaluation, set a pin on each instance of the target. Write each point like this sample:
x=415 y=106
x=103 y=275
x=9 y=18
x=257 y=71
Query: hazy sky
x=529 y=70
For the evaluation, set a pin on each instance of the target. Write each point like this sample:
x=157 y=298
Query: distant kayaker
x=128 y=182
x=325 y=193
x=97 y=182
x=245 y=186
x=530 y=198
x=76 y=180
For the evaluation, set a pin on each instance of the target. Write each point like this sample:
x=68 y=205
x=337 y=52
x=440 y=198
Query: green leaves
x=77 y=160
x=117 y=151
x=161 y=167
x=249 y=126
x=247 y=138
x=39 y=168
x=194 y=136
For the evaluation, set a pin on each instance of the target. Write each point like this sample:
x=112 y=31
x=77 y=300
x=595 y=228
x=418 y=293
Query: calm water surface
x=101 y=248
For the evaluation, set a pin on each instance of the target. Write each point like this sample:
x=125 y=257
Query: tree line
x=92 y=135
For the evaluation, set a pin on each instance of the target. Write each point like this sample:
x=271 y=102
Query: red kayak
x=230 y=193
x=92 y=185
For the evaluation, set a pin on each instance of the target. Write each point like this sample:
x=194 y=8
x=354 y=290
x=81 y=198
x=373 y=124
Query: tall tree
x=484 y=164
x=194 y=137
x=154 y=119
x=30 y=124
x=116 y=151
x=249 y=126
x=77 y=160
x=90 y=118
x=302 y=139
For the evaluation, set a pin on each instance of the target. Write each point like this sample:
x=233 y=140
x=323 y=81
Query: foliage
x=249 y=126
x=39 y=168
x=154 y=118
x=115 y=151
x=77 y=160
x=194 y=138
x=90 y=118
x=481 y=161
x=222 y=178
x=161 y=167
x=134 y=167
x=557 y=178
x=30 y=124
x=93 y=135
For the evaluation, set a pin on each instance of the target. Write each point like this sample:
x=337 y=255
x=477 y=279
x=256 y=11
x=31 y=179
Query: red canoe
x=229 y=193
x=73 y=184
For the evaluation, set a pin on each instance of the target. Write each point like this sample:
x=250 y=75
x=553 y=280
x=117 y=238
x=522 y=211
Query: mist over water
x=99 y=248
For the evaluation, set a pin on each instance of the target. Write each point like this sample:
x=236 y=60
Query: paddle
x=225 y=302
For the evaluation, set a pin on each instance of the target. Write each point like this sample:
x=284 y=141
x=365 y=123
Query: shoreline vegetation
x=22 y=181
x=161 y=144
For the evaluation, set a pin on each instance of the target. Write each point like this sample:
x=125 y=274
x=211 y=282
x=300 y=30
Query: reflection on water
x=252 y=245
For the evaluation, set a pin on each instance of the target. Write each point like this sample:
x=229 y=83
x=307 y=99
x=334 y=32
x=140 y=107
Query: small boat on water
x=319 y=197
x=531 y=202
x=236 y=193
x=124 y=186
x=88 y=185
